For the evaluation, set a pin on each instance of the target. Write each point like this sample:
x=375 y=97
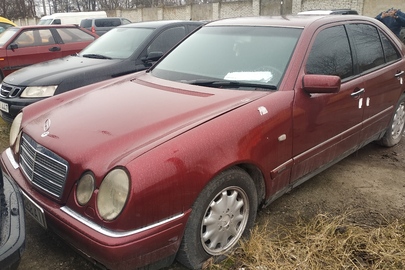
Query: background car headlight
x=39 y=91
x=15 y=128
x=113 y=194
x=84 y=189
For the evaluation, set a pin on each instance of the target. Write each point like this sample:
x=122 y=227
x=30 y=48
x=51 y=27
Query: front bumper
x=12 y=222
x=110 y=249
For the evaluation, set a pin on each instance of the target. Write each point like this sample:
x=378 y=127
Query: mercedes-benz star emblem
x=47 y=126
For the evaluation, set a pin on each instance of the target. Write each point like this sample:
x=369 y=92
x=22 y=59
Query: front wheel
x=224 y=212
x=396 y=128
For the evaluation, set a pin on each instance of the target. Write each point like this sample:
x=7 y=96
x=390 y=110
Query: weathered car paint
x=173 y=138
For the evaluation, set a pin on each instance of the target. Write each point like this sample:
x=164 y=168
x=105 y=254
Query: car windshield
x=6 y=35
x=118 y=43
x=233 y=57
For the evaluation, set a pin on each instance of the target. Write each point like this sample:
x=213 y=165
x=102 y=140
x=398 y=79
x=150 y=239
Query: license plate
x=4 y=107
x=34 y=210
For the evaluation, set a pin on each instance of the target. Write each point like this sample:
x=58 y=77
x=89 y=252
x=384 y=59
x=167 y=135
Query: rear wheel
x=224 y=212
x=396 y=128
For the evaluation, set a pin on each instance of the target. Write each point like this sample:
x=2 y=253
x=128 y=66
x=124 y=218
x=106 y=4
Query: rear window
x=107 y=22
x=70 y=35
x=85 y=23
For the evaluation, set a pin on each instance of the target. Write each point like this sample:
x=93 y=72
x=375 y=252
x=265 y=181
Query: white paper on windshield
x=257 y=76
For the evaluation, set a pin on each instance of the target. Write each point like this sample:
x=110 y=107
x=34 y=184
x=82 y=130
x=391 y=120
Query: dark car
x=12 y=224
x=123 y=50
x=100 y=26
x=27 y=45
x=175 y=161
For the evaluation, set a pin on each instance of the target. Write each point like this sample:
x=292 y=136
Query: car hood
x=121 y=121
x=55 y=71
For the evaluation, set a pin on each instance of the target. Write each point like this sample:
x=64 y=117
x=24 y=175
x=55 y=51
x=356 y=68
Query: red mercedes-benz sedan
x=26 y=45
x=174 y=162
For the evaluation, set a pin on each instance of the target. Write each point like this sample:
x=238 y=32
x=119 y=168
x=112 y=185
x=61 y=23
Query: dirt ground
x=370 y=182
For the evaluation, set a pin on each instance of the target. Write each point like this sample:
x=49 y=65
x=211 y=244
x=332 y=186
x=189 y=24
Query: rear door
x=380 y=64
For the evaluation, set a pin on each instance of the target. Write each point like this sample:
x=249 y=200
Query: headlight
x=113 y=194
x=15 y=128
x=39 y=91
x=85 y=188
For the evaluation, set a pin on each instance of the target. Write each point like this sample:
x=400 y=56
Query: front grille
x=7 y=90
x=42 y=167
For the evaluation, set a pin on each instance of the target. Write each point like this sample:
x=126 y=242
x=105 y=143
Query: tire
x=224 y=212
x=396 y=128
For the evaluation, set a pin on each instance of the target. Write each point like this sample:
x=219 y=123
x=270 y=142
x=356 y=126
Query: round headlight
x=38 y=91
x=15 y=128
x=84 y=189
x=113 y=194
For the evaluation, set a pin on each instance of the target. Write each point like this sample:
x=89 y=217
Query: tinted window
x=107 y=22
x=119 y=43
x=330 y=54
x=85 y=23
x=70 y=35
x=167 y=39
x=391 y=53
x=368 y=46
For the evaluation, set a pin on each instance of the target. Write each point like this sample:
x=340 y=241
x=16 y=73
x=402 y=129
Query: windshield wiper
x=231 y=84
x=97 y=56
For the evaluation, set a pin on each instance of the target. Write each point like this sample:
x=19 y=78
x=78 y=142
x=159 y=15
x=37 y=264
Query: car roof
x=158 y=24
x=298 y=21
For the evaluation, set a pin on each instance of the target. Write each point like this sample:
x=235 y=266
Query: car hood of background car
x=126 y=118
x=55 y=71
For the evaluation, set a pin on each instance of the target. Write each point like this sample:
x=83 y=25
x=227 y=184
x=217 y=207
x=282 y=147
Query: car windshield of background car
x=4 y=26
x=6 y=35
x=231 y=57
x=118 y=43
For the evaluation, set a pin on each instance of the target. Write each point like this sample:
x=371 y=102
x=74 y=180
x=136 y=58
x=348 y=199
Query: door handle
x=54 y=49
x=358 y=92
x=399 y=73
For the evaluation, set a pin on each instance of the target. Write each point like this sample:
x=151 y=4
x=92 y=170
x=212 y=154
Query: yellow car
x=5 y=23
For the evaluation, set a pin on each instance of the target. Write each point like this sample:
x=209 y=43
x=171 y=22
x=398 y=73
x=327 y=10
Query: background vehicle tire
x=396 y=128
x=224 y=212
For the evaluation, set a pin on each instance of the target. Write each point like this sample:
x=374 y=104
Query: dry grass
x=4 y=134
x=323 y=242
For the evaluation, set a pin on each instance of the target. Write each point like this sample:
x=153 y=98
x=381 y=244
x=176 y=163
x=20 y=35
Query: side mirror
x=321 y=84
x=13 y=46
x=152 y=57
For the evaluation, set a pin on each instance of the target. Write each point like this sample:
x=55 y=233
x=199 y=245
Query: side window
x=70 y=35
x=330 y=54
x=368 y=46
x=167 y=39
x=46 y=37
x=391 y=53
x=25 y=39
x=85 y=23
